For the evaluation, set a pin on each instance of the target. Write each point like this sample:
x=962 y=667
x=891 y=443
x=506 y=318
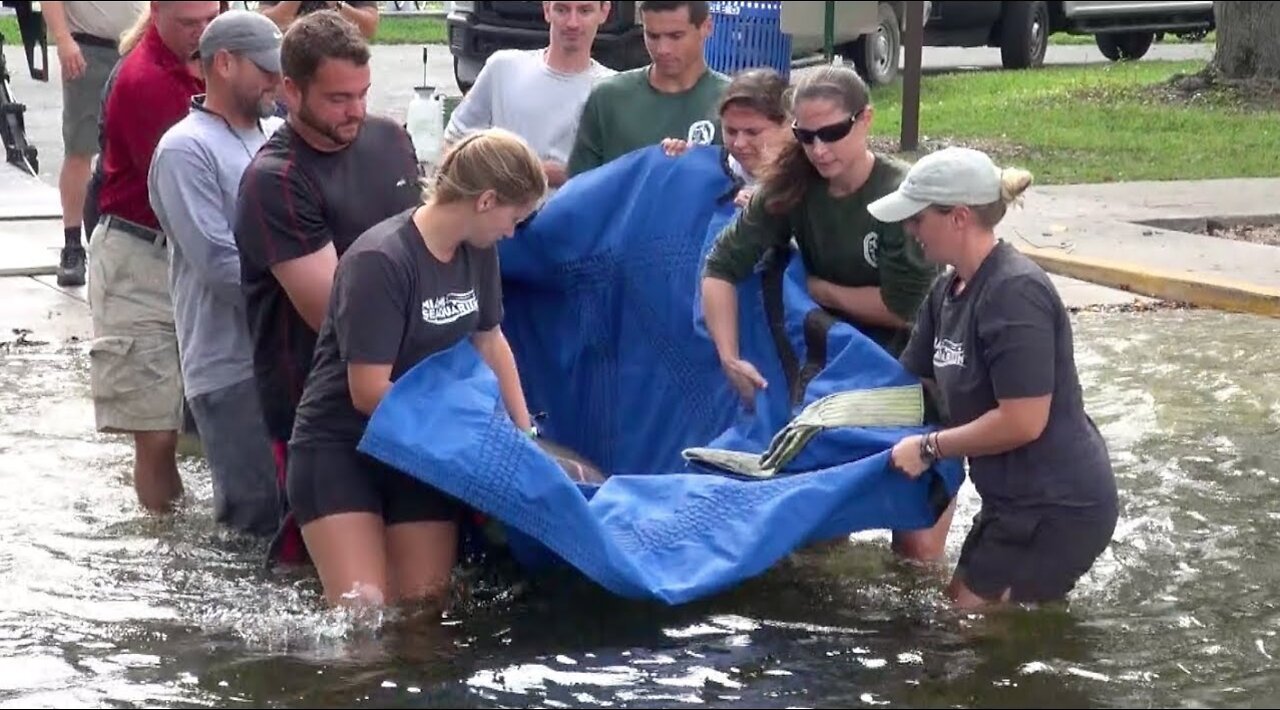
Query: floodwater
x=103 y=606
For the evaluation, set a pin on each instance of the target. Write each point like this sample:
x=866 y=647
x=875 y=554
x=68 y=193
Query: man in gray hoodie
x=193 y=185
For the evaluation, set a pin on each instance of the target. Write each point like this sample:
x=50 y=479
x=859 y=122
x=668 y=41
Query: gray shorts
x=82 y=101
x=234 y=438
x=1037 y=554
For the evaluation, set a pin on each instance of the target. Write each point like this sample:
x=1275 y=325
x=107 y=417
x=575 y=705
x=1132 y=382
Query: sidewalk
x=32 y=305
x=1107 y=234
x=30 y=225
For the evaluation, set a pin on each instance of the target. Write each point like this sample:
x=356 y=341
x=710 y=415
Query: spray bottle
x=425 y=121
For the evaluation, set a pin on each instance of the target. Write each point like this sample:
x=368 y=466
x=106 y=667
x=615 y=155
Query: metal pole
x=829 y=32
x=911 y=77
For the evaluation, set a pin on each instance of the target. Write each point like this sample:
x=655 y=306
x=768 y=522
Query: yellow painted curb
x=1195 y=289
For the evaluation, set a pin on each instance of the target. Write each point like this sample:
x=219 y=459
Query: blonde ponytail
x=1013 y=182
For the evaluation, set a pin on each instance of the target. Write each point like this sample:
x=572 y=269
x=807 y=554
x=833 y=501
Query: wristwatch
x=533 y=432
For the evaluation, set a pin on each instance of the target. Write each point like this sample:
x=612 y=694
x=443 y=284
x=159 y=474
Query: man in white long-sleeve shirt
x=538 y=94
x=193 y=186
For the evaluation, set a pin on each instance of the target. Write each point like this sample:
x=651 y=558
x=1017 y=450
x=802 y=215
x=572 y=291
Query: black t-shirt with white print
x=394 y=303
x=1007 y=335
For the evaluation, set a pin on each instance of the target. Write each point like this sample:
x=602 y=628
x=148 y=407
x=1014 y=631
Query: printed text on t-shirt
x=947 y=353
x=449 y=308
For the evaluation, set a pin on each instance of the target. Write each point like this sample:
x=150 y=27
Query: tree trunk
x=1248 y=40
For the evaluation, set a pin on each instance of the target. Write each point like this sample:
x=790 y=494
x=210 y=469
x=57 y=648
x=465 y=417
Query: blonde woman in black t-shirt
x=411 y=286
x=995 y=341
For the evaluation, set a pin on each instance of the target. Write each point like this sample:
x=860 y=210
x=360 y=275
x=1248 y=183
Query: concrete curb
x=29 y=271
x=1195 y=289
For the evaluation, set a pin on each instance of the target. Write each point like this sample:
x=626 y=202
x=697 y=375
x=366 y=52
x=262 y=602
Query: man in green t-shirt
x=673 y=97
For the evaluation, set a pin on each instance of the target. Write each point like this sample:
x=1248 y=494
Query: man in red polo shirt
x=134 y=371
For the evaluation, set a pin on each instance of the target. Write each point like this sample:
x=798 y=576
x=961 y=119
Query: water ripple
x=102 y=604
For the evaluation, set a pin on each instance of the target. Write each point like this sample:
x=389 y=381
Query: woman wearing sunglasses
x=862 y=270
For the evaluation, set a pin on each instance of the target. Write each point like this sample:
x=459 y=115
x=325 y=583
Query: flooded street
x=103 y=606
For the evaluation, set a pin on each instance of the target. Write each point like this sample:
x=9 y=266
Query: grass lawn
x=411 y=30
x=9 y=28
x=391 y=30
x=1096 y=123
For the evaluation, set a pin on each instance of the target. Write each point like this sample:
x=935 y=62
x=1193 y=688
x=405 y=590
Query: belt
x=133 y=229
x=95 y=41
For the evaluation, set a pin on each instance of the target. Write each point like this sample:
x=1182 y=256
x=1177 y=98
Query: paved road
x=397 y=69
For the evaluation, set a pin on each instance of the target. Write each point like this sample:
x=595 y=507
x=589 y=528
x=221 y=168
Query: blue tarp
x=602 y=310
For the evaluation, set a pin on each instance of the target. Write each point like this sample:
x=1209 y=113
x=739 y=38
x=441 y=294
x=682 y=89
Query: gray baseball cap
x=245 y=33
x=951 y=176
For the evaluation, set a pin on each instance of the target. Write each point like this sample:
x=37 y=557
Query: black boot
x=71 y=266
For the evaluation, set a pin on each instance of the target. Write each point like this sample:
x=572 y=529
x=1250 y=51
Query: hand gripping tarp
x=601 y=292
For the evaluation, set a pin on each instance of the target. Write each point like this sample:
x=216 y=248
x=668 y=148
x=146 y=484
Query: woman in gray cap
x=995 y=341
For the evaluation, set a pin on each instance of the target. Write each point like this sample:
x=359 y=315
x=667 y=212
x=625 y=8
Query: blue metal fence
x=746 y=35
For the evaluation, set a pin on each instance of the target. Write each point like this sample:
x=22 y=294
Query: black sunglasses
x=827 y=134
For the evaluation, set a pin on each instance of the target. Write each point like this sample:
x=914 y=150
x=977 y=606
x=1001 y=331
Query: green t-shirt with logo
x=625 y=113
x=839 y=241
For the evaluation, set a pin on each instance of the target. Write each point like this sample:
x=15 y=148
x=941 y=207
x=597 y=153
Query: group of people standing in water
x=906 y=253
x=350 y=278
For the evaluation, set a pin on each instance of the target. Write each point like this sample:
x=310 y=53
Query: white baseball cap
x=951 y=176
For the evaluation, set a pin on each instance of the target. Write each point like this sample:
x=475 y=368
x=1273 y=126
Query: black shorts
x=325 y=481
x=1037 y=554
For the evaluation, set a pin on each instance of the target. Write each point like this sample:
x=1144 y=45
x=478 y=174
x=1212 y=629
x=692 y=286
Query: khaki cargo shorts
x=134 y=371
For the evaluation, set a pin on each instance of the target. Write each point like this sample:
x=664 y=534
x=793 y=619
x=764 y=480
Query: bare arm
x=368 y=384
x=496 y=351
x=862 y=304
x=1014 y=423
x=55 y=16
x=720 y=310
x=366 y=18
x=282 y=13
x=557 y=173
x=70 y=57
x=735 y=253
x=309 y=281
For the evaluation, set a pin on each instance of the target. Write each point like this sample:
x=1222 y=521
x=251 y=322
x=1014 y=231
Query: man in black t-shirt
x=323 y=179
